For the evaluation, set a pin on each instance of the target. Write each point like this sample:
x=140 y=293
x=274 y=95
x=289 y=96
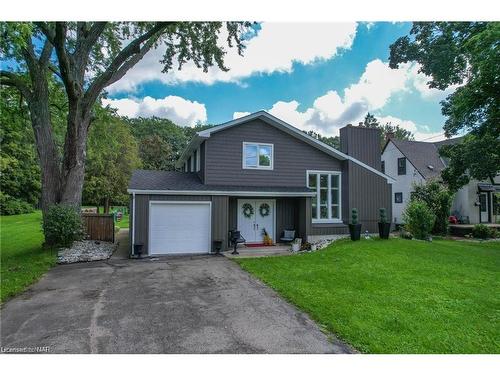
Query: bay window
x=325 y=205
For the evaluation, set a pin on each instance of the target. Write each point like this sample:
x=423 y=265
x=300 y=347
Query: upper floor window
x=325 y=205
x=382 y=166
x=258 y=155
x=401 y=166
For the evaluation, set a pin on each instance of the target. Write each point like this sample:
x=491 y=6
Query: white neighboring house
x=410 y=162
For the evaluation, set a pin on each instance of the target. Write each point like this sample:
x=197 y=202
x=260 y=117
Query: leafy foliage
x=465 y=54
x=354 y=216
x=419 y=219
x=330 y=141
x=483 y=232
x=382 y=215
x=62 y=225
x=112 y=155
x=386 y=130
x=13 y=206
x=439 y=199
x=19 y=170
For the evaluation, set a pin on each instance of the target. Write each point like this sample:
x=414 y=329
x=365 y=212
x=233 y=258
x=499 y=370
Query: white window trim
x=198 y=160
x=245 y=166
x=326 y=221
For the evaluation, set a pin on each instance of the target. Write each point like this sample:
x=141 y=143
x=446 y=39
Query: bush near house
x=439 y=199
x=63 y=225
x=419 y=219
x=483 y=232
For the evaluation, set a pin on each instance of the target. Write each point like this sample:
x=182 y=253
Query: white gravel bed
x=86 y=251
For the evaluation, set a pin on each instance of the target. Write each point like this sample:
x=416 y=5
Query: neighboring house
x=255 y=173
x=412 y=162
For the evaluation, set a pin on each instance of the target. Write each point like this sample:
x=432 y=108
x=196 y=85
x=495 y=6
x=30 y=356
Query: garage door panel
x=177 y=228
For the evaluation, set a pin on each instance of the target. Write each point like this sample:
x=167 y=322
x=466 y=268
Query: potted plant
x=383 y=226
x=354 y=227
x=296 y=244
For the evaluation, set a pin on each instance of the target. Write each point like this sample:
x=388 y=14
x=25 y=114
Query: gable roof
x=282 y=125
x=424 y=156
x=171 y=182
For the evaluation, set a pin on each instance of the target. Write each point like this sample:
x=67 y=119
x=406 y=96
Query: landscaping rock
x=86 y=251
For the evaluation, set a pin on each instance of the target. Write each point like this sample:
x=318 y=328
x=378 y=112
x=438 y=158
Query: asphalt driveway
x=202 y=304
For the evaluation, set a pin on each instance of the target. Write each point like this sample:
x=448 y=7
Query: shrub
x=14 y=206
x=419 y=219
x=62 y=225
x=382 y=215
x=354 y=216
x=483 y=232
x=439 y=199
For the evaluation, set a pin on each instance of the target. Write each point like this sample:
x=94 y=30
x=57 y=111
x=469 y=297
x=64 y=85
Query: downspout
x=133 y=225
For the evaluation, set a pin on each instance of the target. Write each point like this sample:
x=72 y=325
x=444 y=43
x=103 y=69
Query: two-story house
x=413 y=162
x=254 y=173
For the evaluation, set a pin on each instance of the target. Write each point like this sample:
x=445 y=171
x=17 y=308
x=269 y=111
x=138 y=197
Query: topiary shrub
x=62 y=226
x=483 y=232
x=419 y=219
x=14 y=206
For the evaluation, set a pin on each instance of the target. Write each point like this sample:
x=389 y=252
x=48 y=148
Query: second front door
x=255 y=216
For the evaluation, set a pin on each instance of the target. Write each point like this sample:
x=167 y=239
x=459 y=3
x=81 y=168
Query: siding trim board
x=215 y=192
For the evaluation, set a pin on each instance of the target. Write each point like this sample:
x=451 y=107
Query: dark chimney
x=361 y=143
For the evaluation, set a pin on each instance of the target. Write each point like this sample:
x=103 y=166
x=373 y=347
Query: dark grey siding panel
x=286 y=215
x=131 y=215
x=220 y=206
x=304 y=217
x=292 y=157
x=142 y=213
x=362 y=143
x=141 y=221
x=233 y=213
x=201 y=173
x=368 y=192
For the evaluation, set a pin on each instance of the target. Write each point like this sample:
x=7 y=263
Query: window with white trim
x=326 y=204
x=258 y=155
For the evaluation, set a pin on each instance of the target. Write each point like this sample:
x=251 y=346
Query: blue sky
x=315 y=76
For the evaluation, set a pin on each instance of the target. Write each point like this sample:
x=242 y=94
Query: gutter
x=221 y=192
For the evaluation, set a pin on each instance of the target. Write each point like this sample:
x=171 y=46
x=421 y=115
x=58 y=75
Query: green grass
x=396 y=296
x=22 y=259
x=123 y=223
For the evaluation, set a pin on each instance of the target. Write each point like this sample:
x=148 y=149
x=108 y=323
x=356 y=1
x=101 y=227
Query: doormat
x=257 y=245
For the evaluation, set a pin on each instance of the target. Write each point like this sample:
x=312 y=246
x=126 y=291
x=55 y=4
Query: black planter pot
x=383 y=230
x=355 y=231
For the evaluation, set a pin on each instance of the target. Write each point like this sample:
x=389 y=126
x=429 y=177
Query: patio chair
x=235 y=238
x=288 y=236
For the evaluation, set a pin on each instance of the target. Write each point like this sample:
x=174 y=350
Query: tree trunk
x=47 y=150
x=106 y=205
x=73 y=166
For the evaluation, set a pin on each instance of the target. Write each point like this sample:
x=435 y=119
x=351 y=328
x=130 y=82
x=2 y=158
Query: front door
x=483 y=208
x=255 y=215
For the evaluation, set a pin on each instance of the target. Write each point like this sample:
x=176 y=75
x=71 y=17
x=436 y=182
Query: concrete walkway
x=123 y=250
x=199 y=304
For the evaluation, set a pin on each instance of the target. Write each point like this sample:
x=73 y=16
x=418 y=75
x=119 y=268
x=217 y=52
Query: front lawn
x=22 y=259
x=396 y=296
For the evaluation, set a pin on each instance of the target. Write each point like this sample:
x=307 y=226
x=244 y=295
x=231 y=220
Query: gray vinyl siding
x=292 y=157
x=220 y=207
x=286 y=216
x=368 y=192
x=201 y=173
x=362 y=143
x=329 y=229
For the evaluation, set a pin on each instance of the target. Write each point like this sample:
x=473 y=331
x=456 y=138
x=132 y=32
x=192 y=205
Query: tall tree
x=112 y=155
x=386 y=130
x=87 y=57
x=330 y=141
x=466 y=54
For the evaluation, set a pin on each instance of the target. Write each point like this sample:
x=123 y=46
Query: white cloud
x=274 y=49
x=179 y=110
x=421 y=132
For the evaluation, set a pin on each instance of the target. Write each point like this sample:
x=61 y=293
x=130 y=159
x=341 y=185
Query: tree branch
x=86 y=38
x=47 y=31
x=122 y=62
x=64 y=60
x=13 y=80
x=45 y=54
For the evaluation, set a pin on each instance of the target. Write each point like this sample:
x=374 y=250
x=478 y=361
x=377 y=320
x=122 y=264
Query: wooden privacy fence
x=99 y=227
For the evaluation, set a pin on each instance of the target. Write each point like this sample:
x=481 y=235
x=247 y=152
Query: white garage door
x=179 y=228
